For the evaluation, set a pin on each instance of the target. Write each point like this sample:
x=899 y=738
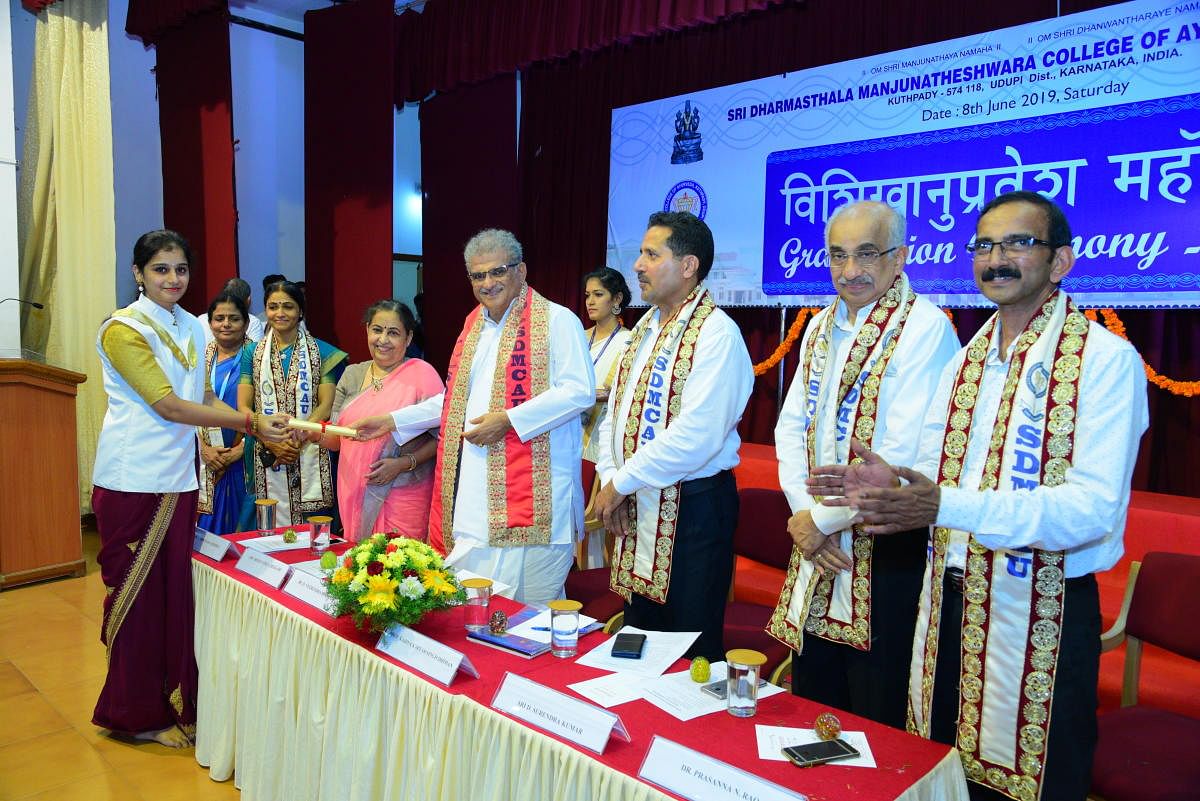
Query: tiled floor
x=51 y=670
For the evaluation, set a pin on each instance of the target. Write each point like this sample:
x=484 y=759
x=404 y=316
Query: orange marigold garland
x=1188 y=389
x=793 y=335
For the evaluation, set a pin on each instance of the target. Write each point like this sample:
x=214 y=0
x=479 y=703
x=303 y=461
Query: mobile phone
x=805 y=756
x=720 y=689
x=629 y=645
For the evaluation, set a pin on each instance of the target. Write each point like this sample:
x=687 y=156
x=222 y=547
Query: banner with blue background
x=1099 y=111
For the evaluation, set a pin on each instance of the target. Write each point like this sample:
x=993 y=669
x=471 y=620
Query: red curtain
x=348 y=121
x=150 y=19
x=449 y=44
x=469 y=148
x=37 y=5
x=195 y=111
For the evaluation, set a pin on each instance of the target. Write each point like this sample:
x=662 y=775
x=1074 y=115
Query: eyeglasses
x=865 y=257
x=1010 y=246
x=496 y=272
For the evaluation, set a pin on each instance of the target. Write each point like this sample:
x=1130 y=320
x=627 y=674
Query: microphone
x=32 y=303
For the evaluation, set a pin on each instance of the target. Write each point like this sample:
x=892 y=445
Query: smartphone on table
x=628 y=645
x=805 y=756
x=720 y=689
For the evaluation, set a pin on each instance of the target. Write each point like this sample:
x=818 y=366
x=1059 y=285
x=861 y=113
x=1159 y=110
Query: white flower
x=357 y=586
x=411 y=588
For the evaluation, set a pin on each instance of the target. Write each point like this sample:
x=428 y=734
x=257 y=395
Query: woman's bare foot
x=171 y=737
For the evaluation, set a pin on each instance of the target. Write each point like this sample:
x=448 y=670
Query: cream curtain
x=65 y=206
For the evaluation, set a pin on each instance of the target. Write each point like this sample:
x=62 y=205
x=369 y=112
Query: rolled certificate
x=337 y=431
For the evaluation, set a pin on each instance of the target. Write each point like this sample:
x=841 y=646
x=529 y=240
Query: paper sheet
x=677 y=694
x=275 y=542
x=538 y=626
x=660 y=652
x=313 y=567
x=609 y=690
x=773 y=739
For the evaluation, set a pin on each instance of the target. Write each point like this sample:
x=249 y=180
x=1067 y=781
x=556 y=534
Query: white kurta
x=1085 y=516
x=702 y=439
x=927 y=343
x=557 y=410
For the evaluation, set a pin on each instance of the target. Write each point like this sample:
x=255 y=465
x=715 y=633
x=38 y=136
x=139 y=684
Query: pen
x=540 y=628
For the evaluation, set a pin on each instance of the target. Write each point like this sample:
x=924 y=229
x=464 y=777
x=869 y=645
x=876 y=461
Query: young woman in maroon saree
x=144 y=495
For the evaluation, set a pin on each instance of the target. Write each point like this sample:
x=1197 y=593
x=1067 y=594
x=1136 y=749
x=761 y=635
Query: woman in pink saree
x=382 y=486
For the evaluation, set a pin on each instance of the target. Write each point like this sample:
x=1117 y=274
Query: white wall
x=137 y=149
x=268 y=126
x=16 y=39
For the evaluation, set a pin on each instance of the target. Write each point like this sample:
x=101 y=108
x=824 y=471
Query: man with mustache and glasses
x=1024 y=469
x=507 y=496
x=870 y=365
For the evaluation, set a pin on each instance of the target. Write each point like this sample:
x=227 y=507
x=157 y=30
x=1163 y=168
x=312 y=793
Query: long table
x=297 y=706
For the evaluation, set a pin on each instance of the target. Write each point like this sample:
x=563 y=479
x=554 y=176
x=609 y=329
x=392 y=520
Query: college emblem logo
x=687 y=196
x=687 y=135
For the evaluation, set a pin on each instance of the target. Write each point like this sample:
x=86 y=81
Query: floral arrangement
x=388 y=579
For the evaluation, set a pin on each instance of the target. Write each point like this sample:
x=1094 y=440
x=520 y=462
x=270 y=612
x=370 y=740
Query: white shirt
x=139 y=450
x=702 y=439
x=254 y=328
x=926 y=344
x=1085 y=516
x=557 y=410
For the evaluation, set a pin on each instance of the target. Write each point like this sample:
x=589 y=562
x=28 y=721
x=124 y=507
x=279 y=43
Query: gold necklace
x=376 y=383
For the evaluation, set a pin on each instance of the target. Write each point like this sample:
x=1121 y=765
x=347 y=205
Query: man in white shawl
x=1026 y=460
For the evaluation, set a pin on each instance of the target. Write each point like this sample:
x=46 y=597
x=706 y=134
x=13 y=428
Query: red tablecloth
x=902 y=759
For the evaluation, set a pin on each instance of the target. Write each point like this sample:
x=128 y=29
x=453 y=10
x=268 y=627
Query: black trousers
x=874 y=683
x=1072 y=737
x=701 y=567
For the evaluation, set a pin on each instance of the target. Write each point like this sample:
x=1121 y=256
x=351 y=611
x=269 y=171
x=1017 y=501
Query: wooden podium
x=40 y=535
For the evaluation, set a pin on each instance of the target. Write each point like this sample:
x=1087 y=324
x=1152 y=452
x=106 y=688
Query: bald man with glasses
x=869 y=367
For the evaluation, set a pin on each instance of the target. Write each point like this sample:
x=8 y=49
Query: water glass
x=564 y=628
x=744 y=665
x=319 y=538
x=479 y=598
x=264 y=514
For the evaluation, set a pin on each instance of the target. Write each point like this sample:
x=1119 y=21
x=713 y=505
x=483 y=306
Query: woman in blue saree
x=222 y=474
x=290 y=372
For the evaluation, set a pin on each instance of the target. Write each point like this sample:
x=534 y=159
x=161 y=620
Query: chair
x=762 y=549
x=1145 y=753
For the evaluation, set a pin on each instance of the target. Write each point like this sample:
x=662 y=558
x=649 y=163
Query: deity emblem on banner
x=687 y=135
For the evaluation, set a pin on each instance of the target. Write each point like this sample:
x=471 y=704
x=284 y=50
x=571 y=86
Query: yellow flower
x=342 y=576
x=420 y=561
x=380 y=595
x=435 y=581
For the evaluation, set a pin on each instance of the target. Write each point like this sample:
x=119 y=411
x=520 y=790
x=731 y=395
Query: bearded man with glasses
x=869 y=366
x=1024 y=469
x=508 y=497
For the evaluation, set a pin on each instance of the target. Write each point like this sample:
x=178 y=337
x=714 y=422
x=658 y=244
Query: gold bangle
x=412 y=462
x=254 y=423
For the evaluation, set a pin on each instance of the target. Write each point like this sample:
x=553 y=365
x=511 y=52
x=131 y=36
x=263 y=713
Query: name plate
x=263 y=567
x=304 y=586
x=560 y=714
x=440 y=662
x=214 y=546
x=696 y=776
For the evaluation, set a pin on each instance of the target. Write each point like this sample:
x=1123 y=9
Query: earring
x=616 y=310
x=141 y=287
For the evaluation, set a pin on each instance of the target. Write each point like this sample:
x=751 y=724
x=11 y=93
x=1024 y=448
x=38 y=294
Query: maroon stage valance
x=148 y=19
x=450 y=44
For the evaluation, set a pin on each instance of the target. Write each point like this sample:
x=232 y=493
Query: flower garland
x=389 y=579
x=1188 y=389
x=785 y=346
